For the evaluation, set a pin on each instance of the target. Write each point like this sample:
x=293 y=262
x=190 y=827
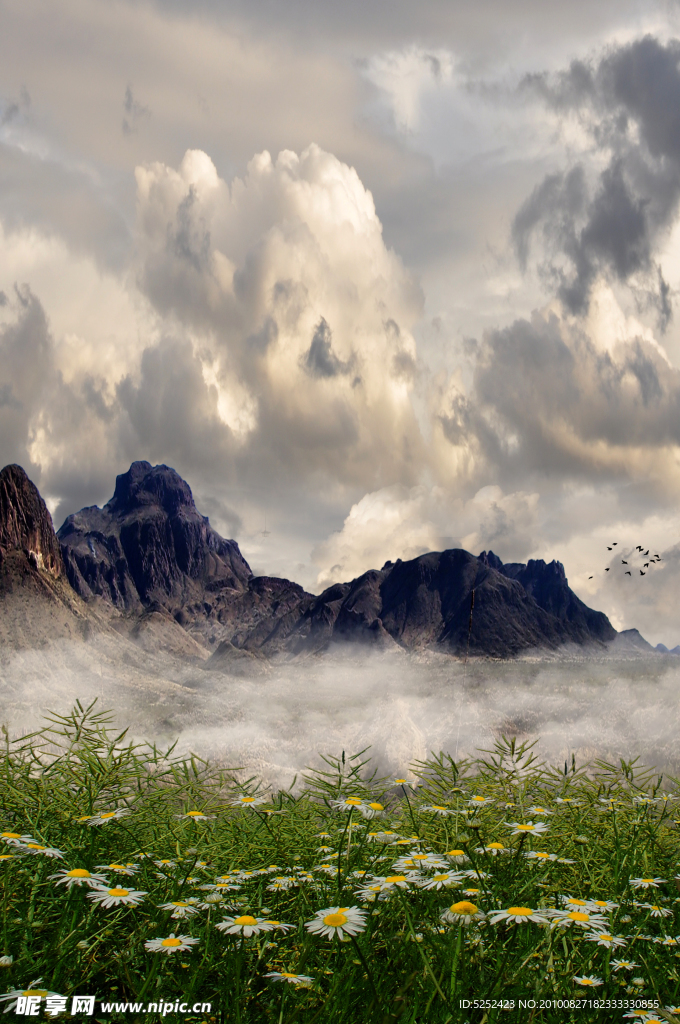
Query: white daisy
x=119 y=869
x=480 y=801
x=418 y=860
x=12 y=997
x=372 y=810
x=42 y=851
x=624 y=965
x=656 y=910
x=540 y=810
x=338 y=921
x=437 y=809
x=601 y=906
x=518 y=915
x=530 y=828
x=457 y=856
x=173 y=944
x=181 y=908
x=350 y=803
x=103 y=817
x=588 y=980
x=494 y=849
x=462 y=913
x=540 y=855
x=116 y=896
x=79 y=876
x=605 y=939
x=299 y=980
x=247 y=801
x=576 y=918
x=280 y=926
x=196 y=816
x=15 y=838
x=646 y=883
x=442 y=880
x=245 y=925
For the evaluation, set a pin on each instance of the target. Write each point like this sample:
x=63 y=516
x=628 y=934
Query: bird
x=624 y=562
x=590 y=577
x=638 y=547
x=646 y=564
x=627 y=573
x=646 y=553
x=642 y=573
x=614 y=543
x=658 y=556
x=607 y=569
x=608 y=548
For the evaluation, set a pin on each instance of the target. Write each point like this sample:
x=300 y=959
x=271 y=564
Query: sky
x=375 y=278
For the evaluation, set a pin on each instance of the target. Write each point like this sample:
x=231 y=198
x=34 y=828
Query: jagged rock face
x=149 y=544
x=26 y=524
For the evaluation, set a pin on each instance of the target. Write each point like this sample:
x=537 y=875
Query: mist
x=274 y=719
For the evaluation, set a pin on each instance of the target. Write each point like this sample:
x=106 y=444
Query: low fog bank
x=276 y=719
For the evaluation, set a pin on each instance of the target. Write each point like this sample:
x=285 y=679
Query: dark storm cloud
x=630 y=103
x=573 y=409
x=321 y=360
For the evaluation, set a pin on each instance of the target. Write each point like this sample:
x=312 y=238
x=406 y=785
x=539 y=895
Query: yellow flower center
x=400 y=781
x=438 y=807
x=287 y=974
x=194 y=814
x=647 y=879
x=10 y=835
x=455 y=853
x=353 y=801
x=172 y=943
x=481 y=799
x=42 y=992
x=391 y=879
x=335 y=920
x=118 y=867
x=599 y=903
x=606 y=937
x=247 y=799
x=464 y=907
x=578 y=915
x=78 y=873
x=577 y=903
x=420 y=856
x=440 y=878
x=119 y=892
x=35 y=846
x=585 y=981
x=520 y=911
x=376 y=807
x=526 y=828
x=179 y=904
x=495 y=846
x=108 y=814
x=245 y=920
x=541 y=856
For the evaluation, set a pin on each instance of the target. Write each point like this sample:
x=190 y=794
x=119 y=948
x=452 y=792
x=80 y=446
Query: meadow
x=495 y=888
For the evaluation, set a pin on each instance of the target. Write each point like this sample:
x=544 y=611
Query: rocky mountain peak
x=147 y=485
x=26 y=524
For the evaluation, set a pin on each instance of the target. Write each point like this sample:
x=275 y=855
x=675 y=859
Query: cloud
x=406 y=77
x=296 y=309
x=609 y=222
x=134 y=112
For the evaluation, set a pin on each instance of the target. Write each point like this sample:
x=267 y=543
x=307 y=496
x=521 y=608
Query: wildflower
x=565 y=860
x=181 y=908
x=440 y=881
x=574 y=903
x=372 y=810
x=337 y=921
x=623 y=965
x=79 y=876
x=655 y=910
x=437 y=809
x=12 y=998
x=196 y=816
x=392 y=881
x=580 y=918
x=462 y=913
x=604 y=939
x=529 y=829
x=480 y=801
x=248 y=801
x=601 y=906
x=567 y=800
x=668 y=940
x=119 y=869
x=540 y=810
x=495 y=849
x=646 y=883
x=165 y=863
x=102 y=817
x=45 y=851
x=403 y=782
x=15 y=838
x=471 y=892
x=588 y=980
x=457 y=856
x=418 y=860
x=10 y=856
x=280 y=926
x=540 y=855
x=221 y=887
x=302 y=980
x=114 y=897
x=245 y=925
x=348 y=804
x=642 y=1015
x=518 y=915
x=173 y=944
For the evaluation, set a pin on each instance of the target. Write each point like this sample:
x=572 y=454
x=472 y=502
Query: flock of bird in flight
x=653 y=559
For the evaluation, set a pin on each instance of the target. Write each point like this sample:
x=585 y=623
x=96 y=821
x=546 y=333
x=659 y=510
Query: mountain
x=149 y=547
x=152 y=564
x=37 y=604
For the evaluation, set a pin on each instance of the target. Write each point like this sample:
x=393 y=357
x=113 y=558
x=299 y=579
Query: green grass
x=406 y=964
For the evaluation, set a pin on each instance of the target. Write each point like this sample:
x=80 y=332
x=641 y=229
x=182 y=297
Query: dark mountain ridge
x=148 y=552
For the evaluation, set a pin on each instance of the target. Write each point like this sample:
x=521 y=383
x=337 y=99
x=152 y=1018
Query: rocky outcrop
x=149 y=544
x=26 y=524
